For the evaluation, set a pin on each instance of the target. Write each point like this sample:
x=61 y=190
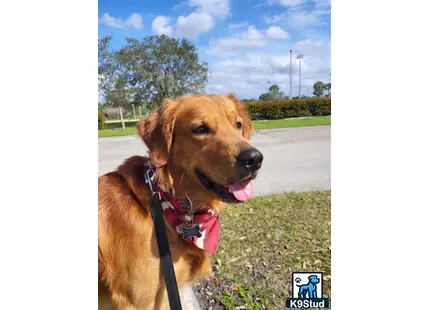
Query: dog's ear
x=247 y=126
x=156 y=131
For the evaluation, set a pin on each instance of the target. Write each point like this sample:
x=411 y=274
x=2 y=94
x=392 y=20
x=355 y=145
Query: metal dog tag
x=190 y=231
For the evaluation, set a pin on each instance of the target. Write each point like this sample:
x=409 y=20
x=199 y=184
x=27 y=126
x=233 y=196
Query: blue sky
x=245 y=42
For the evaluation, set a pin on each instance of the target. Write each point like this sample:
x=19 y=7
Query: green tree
x=104 y=55
x=273 y=94
x=327 y=87
x=276 y=92
x=265 y=97
x=112 y=83
x=161 y=67
x=104 y=65
x=274 y=89
x=319 y=88
x=145 y=72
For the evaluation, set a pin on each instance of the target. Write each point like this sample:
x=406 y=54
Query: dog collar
x=200 y=227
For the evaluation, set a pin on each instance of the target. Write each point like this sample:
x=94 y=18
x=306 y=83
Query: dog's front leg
x=186 y=294
x=188 y=298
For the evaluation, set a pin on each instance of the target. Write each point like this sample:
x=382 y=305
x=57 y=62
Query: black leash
x=163 y=242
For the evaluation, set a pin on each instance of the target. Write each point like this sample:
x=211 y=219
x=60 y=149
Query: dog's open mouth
x=237 y=192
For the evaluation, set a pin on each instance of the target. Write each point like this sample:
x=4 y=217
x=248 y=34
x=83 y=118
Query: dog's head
x=202 y=145
x=313 y=279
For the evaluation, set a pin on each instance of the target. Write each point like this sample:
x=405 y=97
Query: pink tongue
x=242 y=191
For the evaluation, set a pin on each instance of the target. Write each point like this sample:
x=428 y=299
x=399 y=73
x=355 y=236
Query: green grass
x=301 y=122
x=268 y=238
x=117 y=132
x=311 y=121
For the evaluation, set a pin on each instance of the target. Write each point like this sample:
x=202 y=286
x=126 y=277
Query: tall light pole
x=291 y=80
x=299 y=57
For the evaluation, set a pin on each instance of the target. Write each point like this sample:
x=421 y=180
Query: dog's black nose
x=250 y=159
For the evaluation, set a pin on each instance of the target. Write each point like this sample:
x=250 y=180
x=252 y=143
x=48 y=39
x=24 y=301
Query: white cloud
x=215 y=8
x=239 y=25
x=259 y=5
x=249 y=74
x=194 y=24
x=111 y=21
x=134 y=21
x=303 y=18
x=274 y=19
x=322 y=4
x=286 y=3
x=160 y=25
x=291 y=2
x=201 y=20
x=180 y=5
x=244 y=64
x=231 y=46
x=276 y=33
x=299 y=18
x=253 y=37
x=307 y=46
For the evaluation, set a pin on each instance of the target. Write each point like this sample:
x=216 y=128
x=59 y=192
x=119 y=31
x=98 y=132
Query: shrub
x=289 y=108
x=102 y=122
x=320 y=107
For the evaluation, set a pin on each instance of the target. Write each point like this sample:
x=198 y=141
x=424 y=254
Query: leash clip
x=150 y=180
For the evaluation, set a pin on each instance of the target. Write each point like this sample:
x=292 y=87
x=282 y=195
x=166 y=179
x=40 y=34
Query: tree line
x=274 y=93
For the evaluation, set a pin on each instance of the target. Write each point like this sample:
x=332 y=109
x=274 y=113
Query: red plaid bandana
x=201 y=228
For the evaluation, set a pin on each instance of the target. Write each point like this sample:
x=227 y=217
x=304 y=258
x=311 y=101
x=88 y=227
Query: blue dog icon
x=309 y=290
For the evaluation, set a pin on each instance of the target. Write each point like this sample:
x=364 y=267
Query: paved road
x=295 y=159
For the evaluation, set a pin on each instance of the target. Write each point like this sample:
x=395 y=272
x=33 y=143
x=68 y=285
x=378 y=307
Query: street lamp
x=299 y=57
x=291 y=81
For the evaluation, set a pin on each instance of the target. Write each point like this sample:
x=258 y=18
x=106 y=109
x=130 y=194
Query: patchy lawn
x=263 y=241
x=270 y=124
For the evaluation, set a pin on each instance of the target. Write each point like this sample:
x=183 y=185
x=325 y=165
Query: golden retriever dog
x=200 y=150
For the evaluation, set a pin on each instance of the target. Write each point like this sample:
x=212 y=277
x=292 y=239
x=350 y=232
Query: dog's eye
x=201 y=130
x=238 y=125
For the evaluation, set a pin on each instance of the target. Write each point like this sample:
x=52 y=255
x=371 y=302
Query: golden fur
x=129 y=267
